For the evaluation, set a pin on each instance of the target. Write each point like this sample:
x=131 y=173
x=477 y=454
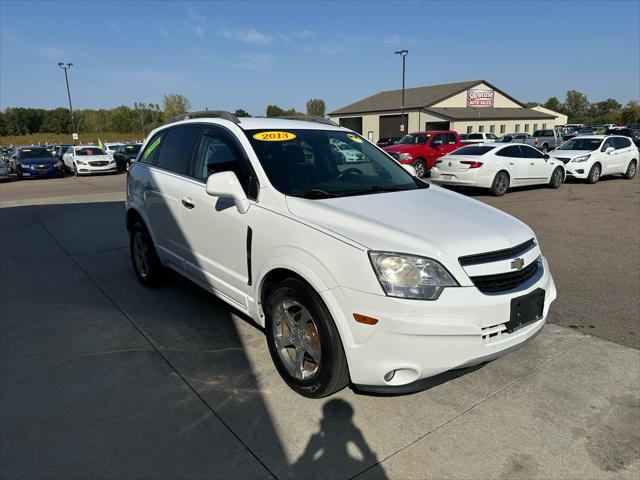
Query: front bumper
x=420 y=339
x=34 y=171
x=89 y=169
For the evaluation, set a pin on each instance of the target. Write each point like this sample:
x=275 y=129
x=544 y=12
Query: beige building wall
x=561 y=118
x=460 y=100
x=504 y=126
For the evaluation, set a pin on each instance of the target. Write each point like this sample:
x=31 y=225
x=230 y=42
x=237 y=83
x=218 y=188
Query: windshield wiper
x=373 y=189
x=315 y=193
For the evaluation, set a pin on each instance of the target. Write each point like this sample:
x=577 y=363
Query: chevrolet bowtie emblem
x=517 y=264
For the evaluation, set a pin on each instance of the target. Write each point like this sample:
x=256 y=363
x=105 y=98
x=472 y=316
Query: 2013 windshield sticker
x=153 y=146
x=274 y=136
x=355 y=138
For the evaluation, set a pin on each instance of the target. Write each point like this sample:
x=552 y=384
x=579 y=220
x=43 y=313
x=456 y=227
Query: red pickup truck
x=422 y=149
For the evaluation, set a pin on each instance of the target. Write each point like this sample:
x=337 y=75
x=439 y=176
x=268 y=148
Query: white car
x=4 y=171
x=498 y=167
x=87 y=159
x=350 y=154
x=359 y=274
x=591 y=156
x=110 y=148
x=480 y=138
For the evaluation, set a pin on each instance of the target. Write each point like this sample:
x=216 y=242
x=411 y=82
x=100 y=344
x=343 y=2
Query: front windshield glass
x=35 y=153
x=89 y=151
x=413 y=139
x=588 y=144
x=132 y=149
x=505 y=139
x=310 y=163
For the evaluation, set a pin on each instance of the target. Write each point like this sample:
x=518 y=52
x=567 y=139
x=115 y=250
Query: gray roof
x=413 y=97
x=486 y=113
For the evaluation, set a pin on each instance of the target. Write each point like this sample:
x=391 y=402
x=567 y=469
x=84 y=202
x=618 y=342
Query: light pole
x=65 y=67
x=403 y=53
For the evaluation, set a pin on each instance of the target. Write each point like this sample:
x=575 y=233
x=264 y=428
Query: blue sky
x=230 y=55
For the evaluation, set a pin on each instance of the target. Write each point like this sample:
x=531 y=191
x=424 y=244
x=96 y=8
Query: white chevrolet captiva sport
x=358 y=271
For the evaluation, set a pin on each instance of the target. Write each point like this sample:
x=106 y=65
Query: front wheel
x=631 y=170
x=421 y=168
x=556 y=178
x=594 y=174
x=500 y=184
x=303 y=340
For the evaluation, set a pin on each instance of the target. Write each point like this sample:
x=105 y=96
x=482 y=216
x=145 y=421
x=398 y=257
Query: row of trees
x=579 y=109
x=142 y=118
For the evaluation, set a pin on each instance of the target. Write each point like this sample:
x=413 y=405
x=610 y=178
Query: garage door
x=390 y=126
x=352 y=123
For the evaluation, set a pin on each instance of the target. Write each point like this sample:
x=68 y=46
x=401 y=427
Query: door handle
x=511 y=163
x=532 y=164
x=188 y=203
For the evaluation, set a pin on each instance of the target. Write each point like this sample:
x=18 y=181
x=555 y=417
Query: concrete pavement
x=102 y=378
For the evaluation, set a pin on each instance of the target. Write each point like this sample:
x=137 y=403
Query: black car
x=625 y=132
x=386 y=141
x=60 y=150
x=125 y=154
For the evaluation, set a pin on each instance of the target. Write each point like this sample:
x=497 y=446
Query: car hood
x=433 y=222
x=401 y=148
x=569 y=153
x=30 y=161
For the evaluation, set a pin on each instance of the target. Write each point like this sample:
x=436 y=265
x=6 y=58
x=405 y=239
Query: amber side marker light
x=364 y=319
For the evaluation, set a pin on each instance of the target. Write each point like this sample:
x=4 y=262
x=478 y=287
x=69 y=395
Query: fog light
x=389 y=376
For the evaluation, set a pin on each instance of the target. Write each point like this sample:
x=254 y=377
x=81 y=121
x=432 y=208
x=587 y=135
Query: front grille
x=502 y=282
x=497 y=255
x=42 y=167
x=98 y=164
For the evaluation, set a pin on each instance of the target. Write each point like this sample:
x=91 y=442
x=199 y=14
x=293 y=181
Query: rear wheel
x=421 y=168
x=594 y=174
x=556 y=178
x=303 y=340
x=500 y=184
x=144 y=258
x=631 y=170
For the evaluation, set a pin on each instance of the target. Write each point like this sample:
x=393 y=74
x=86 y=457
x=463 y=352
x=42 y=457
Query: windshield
x=89 y=151
x=474 y=136
x=132 y=149
x=308 y=163
x=473 y=150
x=35 y=153
x=581 y=144
x=505 y=139
x=413 y=139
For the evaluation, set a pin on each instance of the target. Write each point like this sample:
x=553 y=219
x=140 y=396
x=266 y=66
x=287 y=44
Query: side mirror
x=609 y=150
x=546 y=156
x=410 y=169
x=226 y=184
x=436 y=143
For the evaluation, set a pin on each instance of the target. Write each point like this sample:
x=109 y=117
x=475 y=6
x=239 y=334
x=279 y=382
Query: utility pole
x=403 y=53
x=65 y=67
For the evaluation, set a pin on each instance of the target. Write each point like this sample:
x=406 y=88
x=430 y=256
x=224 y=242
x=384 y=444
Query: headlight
x=80 y=162
x=581 y=159
x=409 y=276
x=405 y=156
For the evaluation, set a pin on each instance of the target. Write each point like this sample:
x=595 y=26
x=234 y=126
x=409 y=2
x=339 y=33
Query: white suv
x=593 y=156
x=359 y=272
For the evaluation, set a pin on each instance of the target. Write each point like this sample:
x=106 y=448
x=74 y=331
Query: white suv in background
x=480 y=138
x=591 y=156
x=359 y=272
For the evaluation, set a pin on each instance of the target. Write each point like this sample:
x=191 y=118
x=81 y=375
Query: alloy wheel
x=297 y=339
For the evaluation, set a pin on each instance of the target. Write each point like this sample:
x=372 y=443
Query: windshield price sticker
x=355 y=138
x=274 y=136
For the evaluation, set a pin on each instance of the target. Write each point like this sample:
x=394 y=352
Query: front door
x=217 y=253
x=538 y=165
x=609 y=160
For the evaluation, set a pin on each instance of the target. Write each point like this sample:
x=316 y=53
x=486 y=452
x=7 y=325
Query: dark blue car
x=32 y=162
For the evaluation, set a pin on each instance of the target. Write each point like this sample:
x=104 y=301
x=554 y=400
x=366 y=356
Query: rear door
x=219 y=235
x=517 y=164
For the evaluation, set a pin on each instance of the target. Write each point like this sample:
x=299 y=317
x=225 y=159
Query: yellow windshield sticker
x=274 y=136
x=355 y=138
x=130 y=147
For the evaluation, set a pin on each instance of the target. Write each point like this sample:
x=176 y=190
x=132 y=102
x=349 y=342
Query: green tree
x=576 y=106
x=631 y=112
x=56 y=121
x=241 y=113
x=553 y=104
x=316 y=106
x=175 y=104
x=607 y=111
x=123 y=119
x=274 y=111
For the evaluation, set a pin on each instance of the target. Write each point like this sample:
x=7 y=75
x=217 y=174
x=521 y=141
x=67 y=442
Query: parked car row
x=55 y=160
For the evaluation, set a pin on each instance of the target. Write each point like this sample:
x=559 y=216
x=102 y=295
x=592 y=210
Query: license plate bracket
x=525 y=310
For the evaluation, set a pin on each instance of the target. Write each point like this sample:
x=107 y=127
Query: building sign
x=479 y=98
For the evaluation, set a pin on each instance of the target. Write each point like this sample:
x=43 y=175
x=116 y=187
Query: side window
x=530 y=152
x=513 y=151
x=469 y=129
x=421 y=139
x=621 y=143
x=481 y=128
x=177 y=147
x=70 y=150
x=451 y=138
x=217 y=153
x=607 y=143
x=517 y=127
x=151 y=152
x=503 y=128
x=438 y=138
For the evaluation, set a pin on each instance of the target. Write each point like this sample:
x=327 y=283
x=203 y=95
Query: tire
x=75 y=170
x=500 y=184
x=545 y=148
x=144 y=257
x=18 y=176
x=631 y=170
x=316 y=345
x=594 y=173
x=421 y=168
x=557 y=177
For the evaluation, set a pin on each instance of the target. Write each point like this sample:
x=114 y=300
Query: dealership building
x=475 y=106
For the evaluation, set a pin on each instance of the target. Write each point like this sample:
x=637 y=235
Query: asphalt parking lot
x=102 y=378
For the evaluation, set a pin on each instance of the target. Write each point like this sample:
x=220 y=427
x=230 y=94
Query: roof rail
x=309 y=118
x=205 y=114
